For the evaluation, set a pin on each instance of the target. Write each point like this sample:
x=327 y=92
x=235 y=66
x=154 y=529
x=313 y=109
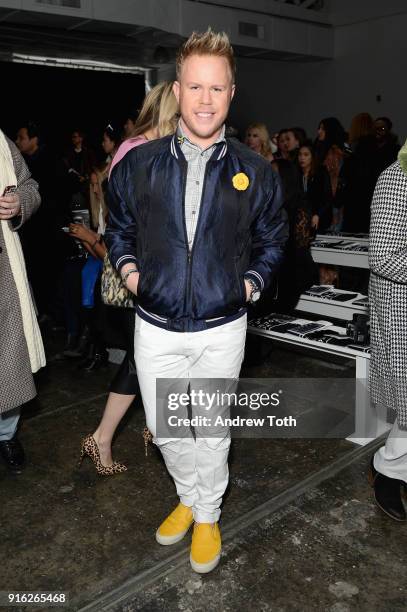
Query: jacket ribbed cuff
x=125 y=259
x=256 y=278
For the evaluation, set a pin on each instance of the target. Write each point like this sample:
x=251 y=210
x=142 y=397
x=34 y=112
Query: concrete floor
x=299 y=526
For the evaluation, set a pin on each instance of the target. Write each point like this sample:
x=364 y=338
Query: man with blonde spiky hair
x=196 y=231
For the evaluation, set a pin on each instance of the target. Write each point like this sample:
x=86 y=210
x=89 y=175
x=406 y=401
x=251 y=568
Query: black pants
x=72 y=292
x=125 y=382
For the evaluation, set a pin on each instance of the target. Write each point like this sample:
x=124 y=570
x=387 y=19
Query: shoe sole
x=168 y=540
x=371 y=479
x=204 y=568
x=399 y=520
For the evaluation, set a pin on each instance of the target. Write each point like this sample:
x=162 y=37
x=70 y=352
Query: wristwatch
x=255 y=291
x=127 y=274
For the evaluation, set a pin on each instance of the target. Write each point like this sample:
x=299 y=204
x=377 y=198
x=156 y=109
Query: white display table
x=331 y=308
x=368 y=424
x=341 y=250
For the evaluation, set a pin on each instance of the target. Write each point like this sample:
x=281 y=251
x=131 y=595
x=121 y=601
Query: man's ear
x=175 y=89
x=233 y=91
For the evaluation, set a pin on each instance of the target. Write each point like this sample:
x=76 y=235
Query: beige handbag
x=114 y=292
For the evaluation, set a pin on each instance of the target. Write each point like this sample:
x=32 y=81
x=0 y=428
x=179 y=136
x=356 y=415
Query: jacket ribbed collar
x=179 y=137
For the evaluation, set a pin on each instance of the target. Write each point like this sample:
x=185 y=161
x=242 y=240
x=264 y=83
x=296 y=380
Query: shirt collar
x=182 y=137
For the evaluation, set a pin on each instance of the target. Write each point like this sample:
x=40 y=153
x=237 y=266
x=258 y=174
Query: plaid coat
x=16 y=380
x=388 y=292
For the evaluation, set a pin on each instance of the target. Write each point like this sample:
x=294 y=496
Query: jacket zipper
x=191 y=252
x=184 y=187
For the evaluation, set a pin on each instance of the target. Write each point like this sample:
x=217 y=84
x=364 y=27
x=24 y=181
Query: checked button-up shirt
x=197 y=160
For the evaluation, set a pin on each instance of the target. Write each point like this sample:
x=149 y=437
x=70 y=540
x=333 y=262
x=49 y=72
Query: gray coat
x=388 y=292
x=16 y=380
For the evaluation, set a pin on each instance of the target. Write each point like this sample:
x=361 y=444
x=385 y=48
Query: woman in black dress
x=316 y=189
x=157 y=118
x=298 y=271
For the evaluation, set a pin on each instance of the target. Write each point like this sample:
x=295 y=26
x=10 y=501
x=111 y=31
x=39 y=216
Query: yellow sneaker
x=206 y=547
x=175 y=526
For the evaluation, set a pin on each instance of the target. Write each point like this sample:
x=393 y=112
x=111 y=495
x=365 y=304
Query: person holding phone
x=21 y=349
x=10 y=206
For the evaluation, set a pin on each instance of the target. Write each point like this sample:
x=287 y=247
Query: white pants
x=198 y=466
x=391 y=459
x=8 y=424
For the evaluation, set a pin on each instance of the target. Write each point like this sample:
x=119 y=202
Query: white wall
x=282 y=94
x=370 y=60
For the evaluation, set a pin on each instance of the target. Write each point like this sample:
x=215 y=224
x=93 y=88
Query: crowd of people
x=328 y=185
x=121 y=208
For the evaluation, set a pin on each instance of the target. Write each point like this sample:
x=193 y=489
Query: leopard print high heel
x=148 y=437
x=91 y=449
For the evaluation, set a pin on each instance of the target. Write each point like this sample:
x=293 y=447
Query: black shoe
x=83 y=347
x=99 y=360
x=87 y=357
x=77 y=347
x=387 y=494
x=13 y=454
x=69 y=350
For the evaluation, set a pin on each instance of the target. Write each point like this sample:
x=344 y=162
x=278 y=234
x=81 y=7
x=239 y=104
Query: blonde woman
x=258 y=139
x=157 y=118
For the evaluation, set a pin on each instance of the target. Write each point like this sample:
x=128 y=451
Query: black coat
x=318 y=197
x=240 y=232
x=298 y=271
x=360 y=169
x=386 y=155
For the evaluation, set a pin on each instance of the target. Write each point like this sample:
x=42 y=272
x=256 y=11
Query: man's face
x=76 y=139
x=204 y=92
x=27 y=145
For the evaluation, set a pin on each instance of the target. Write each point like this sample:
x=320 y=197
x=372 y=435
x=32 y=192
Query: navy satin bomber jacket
x=240 y=232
